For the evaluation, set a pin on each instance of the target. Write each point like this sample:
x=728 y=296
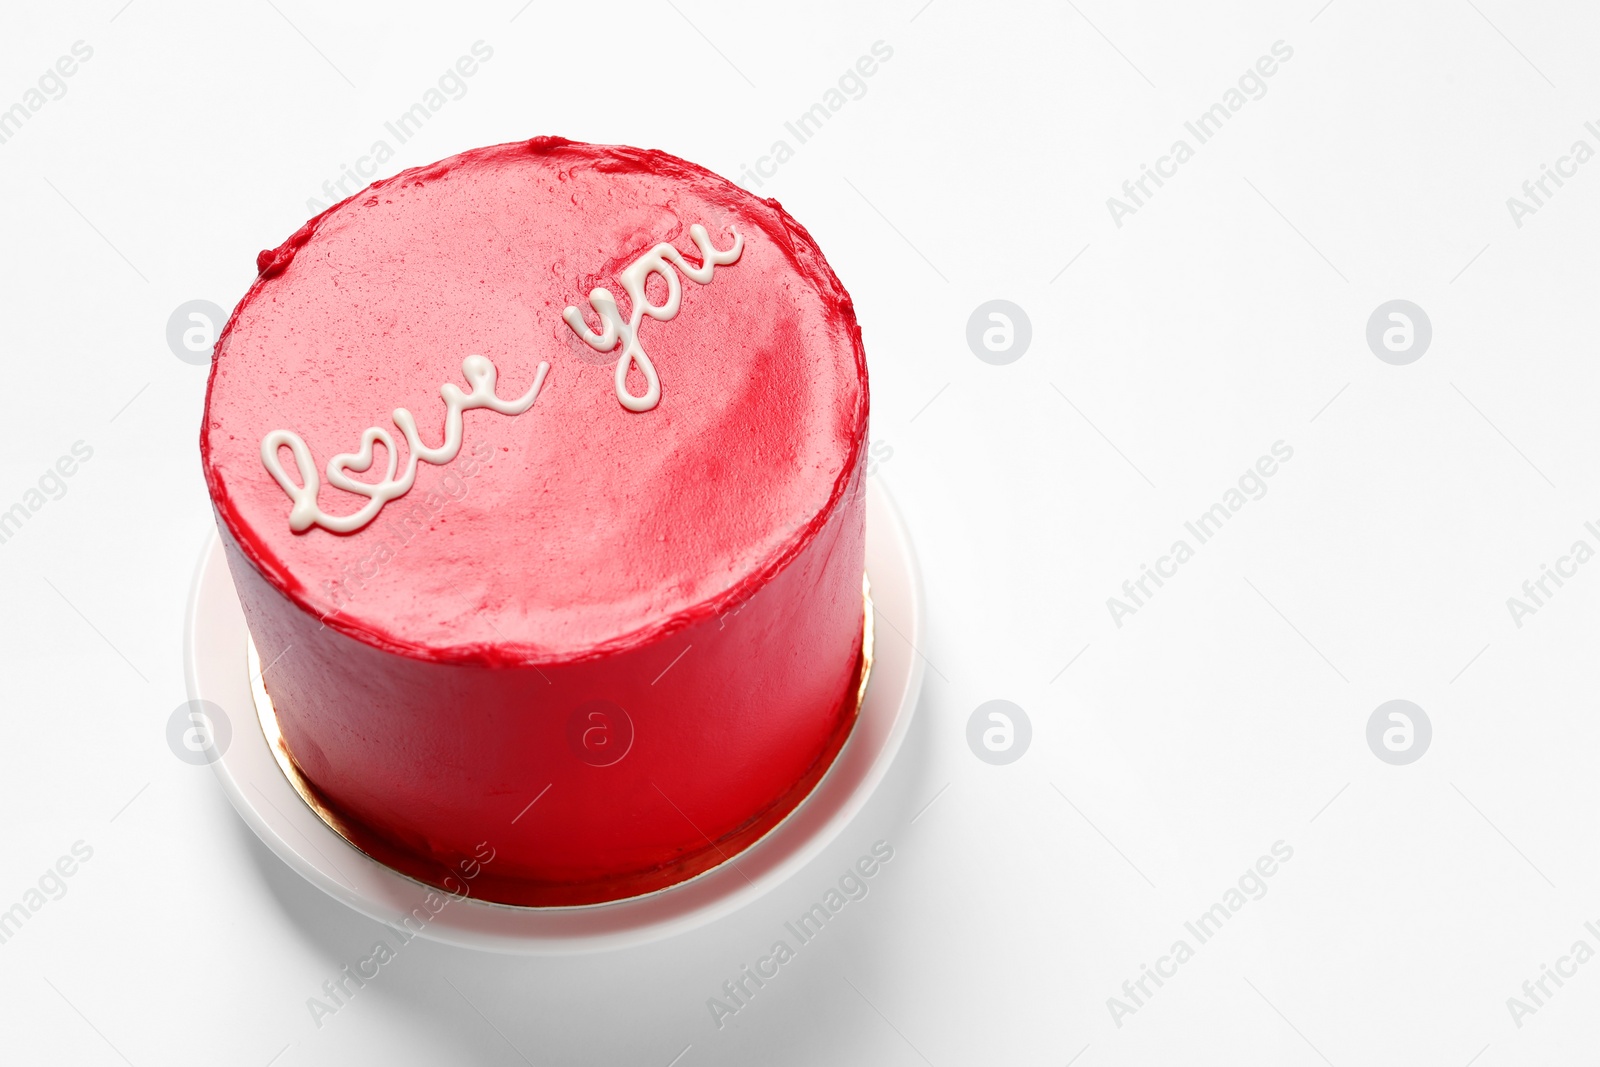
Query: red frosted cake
x=539 y=473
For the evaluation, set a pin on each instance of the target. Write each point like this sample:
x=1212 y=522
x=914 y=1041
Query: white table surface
x=1167 y=354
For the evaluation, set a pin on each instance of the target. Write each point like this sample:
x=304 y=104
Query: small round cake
x=539 y=472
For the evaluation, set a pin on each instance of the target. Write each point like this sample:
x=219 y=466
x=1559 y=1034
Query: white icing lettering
x=304 y=512
x=659 y=260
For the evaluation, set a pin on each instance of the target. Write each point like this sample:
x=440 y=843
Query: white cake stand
x=215 y=662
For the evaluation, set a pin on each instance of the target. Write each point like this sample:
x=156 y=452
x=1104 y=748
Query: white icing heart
x=362 y=461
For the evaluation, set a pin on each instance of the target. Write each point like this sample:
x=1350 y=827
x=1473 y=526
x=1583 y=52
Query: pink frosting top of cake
x=577 y=527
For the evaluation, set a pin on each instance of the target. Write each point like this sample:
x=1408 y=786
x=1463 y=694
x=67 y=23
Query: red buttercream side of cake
x=697 y=565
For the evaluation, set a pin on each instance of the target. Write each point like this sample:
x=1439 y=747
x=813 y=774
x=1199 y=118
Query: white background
x=1229 y=713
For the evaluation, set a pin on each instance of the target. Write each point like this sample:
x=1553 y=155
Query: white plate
x=214 y=650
